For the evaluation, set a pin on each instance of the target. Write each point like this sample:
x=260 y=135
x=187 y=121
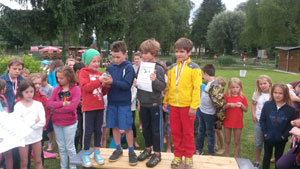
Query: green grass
x=247 y=138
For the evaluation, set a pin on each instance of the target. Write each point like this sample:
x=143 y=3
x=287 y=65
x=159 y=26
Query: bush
x=29 y=63
x=226 y=60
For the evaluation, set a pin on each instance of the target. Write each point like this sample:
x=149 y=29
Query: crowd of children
x=76 y=101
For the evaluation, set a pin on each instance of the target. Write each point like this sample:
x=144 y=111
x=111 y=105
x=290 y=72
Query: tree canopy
x=224 y=31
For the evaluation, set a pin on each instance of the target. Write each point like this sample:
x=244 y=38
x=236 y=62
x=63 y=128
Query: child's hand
x=239 y=104
x=153 y=76
x=165 y=107
x=254 y=118
x=295 y=123
x=102 y=78
x=295 y=131
x=134 y=82
x=108 y=80
x=66 y=103
x=37 y=120
x=192 y=112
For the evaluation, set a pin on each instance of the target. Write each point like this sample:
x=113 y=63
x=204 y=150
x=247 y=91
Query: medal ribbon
x=178 y=73
x=14 y=86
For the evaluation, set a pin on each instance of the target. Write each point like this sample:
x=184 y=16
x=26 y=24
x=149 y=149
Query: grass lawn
x=247 y=138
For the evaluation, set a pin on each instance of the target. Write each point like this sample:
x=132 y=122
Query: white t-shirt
x=260 y=102
x=29 y=115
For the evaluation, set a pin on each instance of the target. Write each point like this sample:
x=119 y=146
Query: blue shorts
x=119 y=117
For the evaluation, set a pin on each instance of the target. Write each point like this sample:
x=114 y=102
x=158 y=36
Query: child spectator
x=235 y=104
x=47 y=89
x=90 y=81
x=25 y=73
x=70 y=62
x=166 y=128
x=260 y=96
x=220 y=113
x=45 y=65
x=119 y=115
x=4 y=108
x=52 y=72
x=212 y=97
x=136 y=61
x=275 y=122
x=133 y=109
x=33 y=114
x=182 y=94
x=150 y=102
x=78 y=137
x=64 y=101
x=35 y=78
x=13 y=79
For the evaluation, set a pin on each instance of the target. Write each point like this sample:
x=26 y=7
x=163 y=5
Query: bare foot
x=169 y=150
x=216 y=147
x=136 y=144
x=221 y=151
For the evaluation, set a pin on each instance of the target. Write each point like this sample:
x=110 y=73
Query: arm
x=197 y=81
x=41 y=116
x=286 y=133
x=52 y=103
x=159 y=83
x=167 y=90
x=263 y=121
x=127 y=81
x=76 y=95
x=253 y=109
x=216 y=94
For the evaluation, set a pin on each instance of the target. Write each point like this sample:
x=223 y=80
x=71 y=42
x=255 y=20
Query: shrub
x=226 y=60
x=32 y=65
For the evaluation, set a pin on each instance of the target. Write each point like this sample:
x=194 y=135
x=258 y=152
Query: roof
x=288 y=48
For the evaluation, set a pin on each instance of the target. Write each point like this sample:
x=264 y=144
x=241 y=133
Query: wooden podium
x=200 y=161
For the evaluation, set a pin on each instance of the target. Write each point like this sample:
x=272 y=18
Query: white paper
x=143 y=81
x=12 y=131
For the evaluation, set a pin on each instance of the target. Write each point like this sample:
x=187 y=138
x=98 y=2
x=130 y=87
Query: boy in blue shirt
x=119 y=115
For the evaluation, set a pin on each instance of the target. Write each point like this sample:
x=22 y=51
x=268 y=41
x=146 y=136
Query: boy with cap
x=90 y=81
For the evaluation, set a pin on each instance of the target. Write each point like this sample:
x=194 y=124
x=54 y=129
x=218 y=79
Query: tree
x=205 y=13
x=271 y=23
x=224 y=31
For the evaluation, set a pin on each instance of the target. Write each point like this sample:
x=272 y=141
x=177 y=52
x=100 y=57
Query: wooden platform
x=200 y=162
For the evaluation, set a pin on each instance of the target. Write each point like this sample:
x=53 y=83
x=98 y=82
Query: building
x=289 y=59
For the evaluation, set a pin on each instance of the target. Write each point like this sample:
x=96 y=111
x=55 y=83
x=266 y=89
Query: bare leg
x=216 y=141
x=37 y=148
x=257 y=155
x=103 y=144
x=237 y=137
x=116 y=135
x=227 y=132
x=169 y=148
x=8 y=159
x=129 y=137
x=221 y=138
x=24 y=156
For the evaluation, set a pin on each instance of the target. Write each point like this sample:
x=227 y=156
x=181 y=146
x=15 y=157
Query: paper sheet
x=143 y=81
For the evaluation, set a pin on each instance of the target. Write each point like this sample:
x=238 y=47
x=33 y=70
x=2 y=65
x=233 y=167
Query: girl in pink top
x=64 y=101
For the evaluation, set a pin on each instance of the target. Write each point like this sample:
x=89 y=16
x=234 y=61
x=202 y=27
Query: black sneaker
x=154 y=160
x=144 y=155
x=132 y=158
x=115 y=155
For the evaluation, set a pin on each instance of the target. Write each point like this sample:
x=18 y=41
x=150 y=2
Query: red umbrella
x=81 y=50
x=50 y=48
